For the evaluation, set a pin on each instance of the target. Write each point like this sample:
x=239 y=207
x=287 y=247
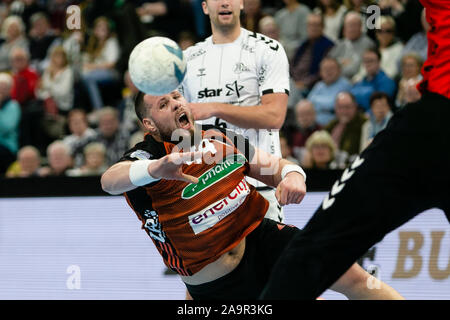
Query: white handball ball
x=157 y=66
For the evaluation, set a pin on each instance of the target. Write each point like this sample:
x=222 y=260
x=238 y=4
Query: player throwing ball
x=188 y=188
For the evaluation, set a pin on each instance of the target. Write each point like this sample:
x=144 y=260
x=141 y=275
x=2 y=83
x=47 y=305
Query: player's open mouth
x=225 y=13
x=183 y=121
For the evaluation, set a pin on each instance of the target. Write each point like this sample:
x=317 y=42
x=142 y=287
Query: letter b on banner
x=405 y=252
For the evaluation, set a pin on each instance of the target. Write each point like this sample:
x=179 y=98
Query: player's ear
x=205 y=8
x=149 y=125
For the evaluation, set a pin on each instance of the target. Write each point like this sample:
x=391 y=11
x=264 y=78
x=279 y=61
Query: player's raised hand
x=291 y=189
x=201 y=111
x=170 y=166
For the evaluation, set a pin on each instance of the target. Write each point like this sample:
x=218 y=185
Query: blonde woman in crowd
x=13 y=32
x=95 y=155
x=320 y=151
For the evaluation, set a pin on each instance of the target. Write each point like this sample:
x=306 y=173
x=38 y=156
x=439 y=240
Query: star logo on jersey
x=240 y=67
x=233 y=88
x=201 y=72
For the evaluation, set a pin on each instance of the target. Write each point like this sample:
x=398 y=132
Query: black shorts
x=404 y=171
x=263 y=247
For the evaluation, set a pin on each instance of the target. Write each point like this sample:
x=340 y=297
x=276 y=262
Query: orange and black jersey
x=192 y=225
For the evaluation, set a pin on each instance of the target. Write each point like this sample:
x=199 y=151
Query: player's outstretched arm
x=287 y=177
x=128 y=175
x=270 y=114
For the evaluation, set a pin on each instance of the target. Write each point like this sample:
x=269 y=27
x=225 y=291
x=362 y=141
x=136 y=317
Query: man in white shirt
x=239 y=80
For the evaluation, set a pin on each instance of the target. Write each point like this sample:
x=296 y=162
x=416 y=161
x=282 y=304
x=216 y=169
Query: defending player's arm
x=270 y=114
x=128 y=175
x=287 y=177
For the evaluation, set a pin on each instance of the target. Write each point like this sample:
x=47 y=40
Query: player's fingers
x=278 y=194
x=187 y=178
x=284 y=196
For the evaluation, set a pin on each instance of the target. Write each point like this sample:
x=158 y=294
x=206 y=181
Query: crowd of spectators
x=66 y=98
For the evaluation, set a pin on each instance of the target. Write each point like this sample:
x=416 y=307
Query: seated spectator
x=186 y=40
x=389 y=47
x=411 y=65
x=80 y=135
x=292 y=23
x=95 y=164
x=268 y=27
x=127 y=114
x=333 y=12
x=111 y=135
x=9 y=124
x=13 y=34
x=412 y=93
x=375 y=80
x=138 y=136
x=320 y=152
x=25 y=78
x=346 y=128
x=57 y=12
x=57 y=83
x=99 y=60
x=42 y=38
x=27 y=164
x=381 y=107
x=25 y=9
x=251 y=15
x=418 y=43
x=304 y=68
x=286 y=150
x=349 y=50
x=323 y=94
x=59 y=160
x=305 y=125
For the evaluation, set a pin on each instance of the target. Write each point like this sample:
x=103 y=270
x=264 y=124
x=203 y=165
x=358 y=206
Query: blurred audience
x=286 y=150
x=320 y=152
x=13 y=35
x=127 y=113
x=10 y=115
x=390 y=48
x=375 y=80
x=251 y=15
x=346 y=128
x=381 y=112
x=95 y=163
x=80 y=135
x=99 y=59
x=27 y=164
x=268 y=27
x=25 y=77
x=418 y=43
x=348 y=51
x=59 y=160
x=292 y=23
x=323 y=94
x=410 y=76
x=333 y=12
x=57 y=83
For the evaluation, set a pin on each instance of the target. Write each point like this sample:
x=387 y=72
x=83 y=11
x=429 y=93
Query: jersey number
x=267 y=41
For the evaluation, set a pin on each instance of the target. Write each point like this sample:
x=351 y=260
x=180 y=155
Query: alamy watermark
x=73 y=282
x=73 y=20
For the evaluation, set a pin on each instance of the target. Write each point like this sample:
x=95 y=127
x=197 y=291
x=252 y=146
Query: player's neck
x=225 y=36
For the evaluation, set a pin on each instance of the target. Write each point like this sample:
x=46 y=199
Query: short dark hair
x=376 y=51
x=377 y=95
x=139 y=105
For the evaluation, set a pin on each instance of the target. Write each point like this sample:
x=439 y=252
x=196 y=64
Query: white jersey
x=238 y=73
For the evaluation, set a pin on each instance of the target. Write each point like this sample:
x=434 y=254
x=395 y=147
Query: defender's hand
x=170 y=166
x=201 y=111
x=291 y=189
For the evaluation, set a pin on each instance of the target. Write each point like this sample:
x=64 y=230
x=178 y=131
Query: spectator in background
x=9 y=124
x=349 y=50
x=304 y=68
x=57 y=12
x=292 y=23
x=59 y=160
x=333 y=12
x=99 y=60
x=323 y=94
x=111 y=135
x=286 y=150
x=42 y=38
x=186 y=39
x=375 y=80
x=418 y=43
x=411 y=65
x=389 y=47
x=252 y=14
x=346 y=128
x=95 y=164
x=381 y=107
x=80 y=135
x=127 y=113
x=25 y=78
x=268 y=27
x=13 y=34
x=25 y=9
x=27 y=164
x=320 y=152
x=57 y=83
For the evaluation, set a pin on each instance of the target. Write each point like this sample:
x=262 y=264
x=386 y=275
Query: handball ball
x=157 y=66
